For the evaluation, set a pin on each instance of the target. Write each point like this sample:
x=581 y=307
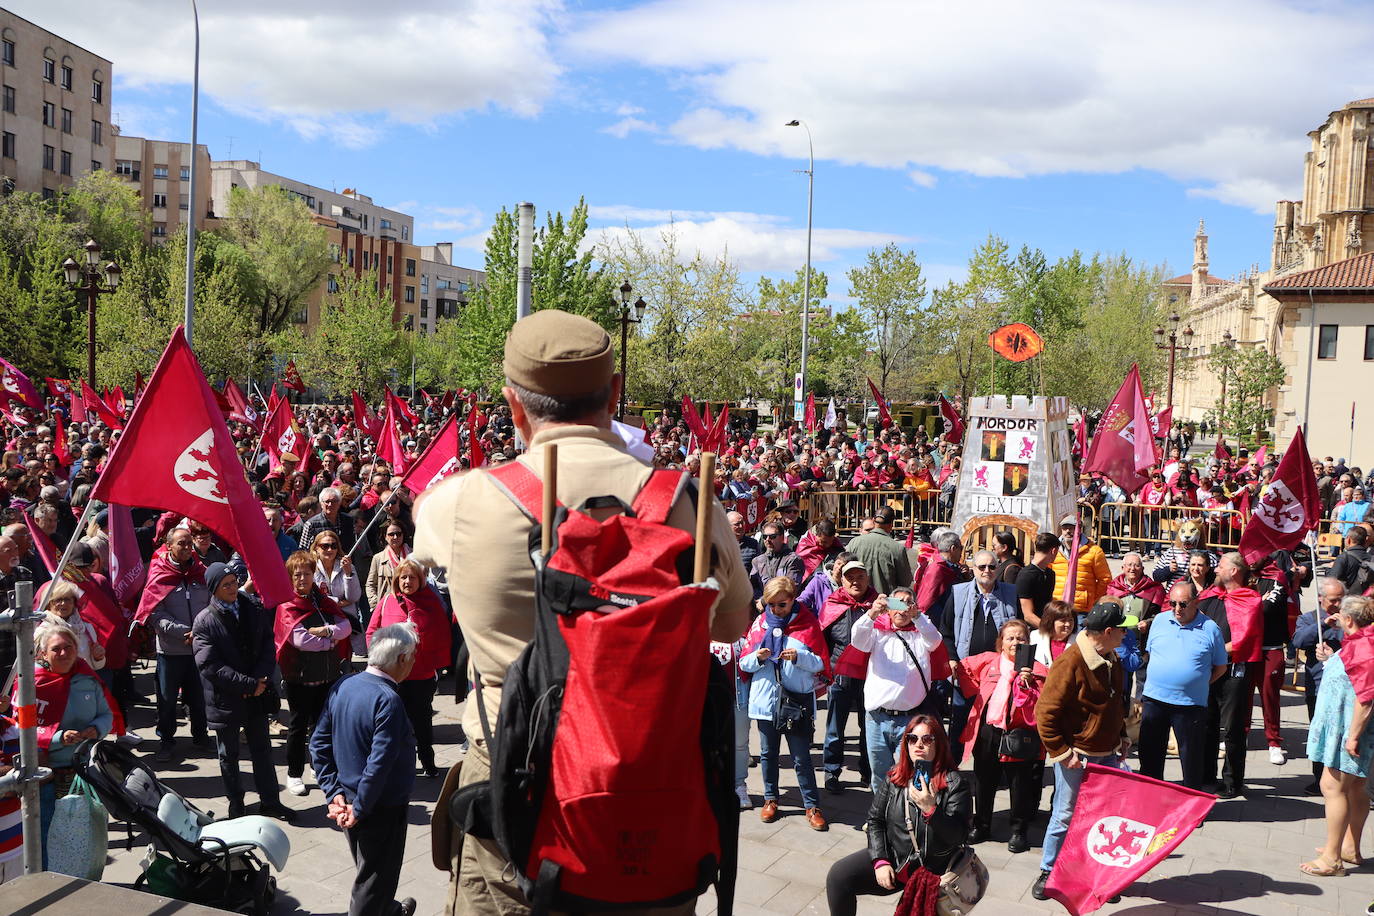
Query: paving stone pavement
x=1243 y=862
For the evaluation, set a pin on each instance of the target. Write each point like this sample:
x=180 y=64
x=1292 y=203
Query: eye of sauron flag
x=176 y=454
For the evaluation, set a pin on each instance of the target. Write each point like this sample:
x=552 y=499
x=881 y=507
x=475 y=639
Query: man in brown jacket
x=1081 y=717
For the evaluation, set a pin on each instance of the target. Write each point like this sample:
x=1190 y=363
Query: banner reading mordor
x=1123 y=825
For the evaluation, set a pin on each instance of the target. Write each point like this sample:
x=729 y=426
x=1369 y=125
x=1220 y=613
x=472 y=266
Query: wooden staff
x=550 y=497
x=704 y=497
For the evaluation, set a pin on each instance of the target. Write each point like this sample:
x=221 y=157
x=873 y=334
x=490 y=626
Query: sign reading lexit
x=1017 y=461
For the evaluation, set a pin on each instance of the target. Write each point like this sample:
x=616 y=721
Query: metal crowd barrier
x=849 y=508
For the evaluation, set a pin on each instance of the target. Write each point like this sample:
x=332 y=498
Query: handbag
x=1018 y=743
x=963 y=883
x=321 y=667
x=793 y=714
x=78 y=835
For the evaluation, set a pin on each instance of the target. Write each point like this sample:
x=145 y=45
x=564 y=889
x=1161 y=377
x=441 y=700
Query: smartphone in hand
x=1025 y=656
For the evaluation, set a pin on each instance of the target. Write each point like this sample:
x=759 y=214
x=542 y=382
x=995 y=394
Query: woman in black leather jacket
x=923 y=796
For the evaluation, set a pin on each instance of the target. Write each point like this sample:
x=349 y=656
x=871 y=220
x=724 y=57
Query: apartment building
x=160 y=171
x=54 y=108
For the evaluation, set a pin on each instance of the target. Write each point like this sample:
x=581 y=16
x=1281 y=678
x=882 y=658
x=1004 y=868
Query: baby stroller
x=191 y=856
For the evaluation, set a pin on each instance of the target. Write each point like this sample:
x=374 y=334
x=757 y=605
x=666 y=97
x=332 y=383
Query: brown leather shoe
x=769 y=812
x=816 y=819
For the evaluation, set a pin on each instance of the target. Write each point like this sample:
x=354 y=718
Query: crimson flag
x=127 y=569
x=59 y=440
x=717 y=430
x=1123 y=448
x=437 y=461
x=93 y=404
x=884 y=415
x=138 y=386
x=77 y=405
x=15 y=385
x=1080 y=437
x=1123 y=825
x=369 y=424
x=694 y=423
x=221 y=401
x=1261 y=457
x=708 y=422
x=954 y=424
x=476 y=456
x=240 y=408
x=273 y=399
x=400 y=412
x=449 y=396
x=59 y=388
x=291 y=377
x=121 y=402
x=281 y=435
x=1162 y=422
x=389 y=445
x=176 y=454
x=42 y=544
x=810 y=417
x=1288 y=509
x=1221 y=451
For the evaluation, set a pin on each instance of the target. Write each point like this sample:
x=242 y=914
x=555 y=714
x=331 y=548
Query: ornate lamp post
x=625 y=321
x=86 y=278
x=1170 y=342
x=1228 y=342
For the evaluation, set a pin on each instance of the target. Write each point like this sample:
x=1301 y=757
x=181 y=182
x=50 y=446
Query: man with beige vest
x=562 y=388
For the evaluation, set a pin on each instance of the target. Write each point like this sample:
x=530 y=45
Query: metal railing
x=849 y=508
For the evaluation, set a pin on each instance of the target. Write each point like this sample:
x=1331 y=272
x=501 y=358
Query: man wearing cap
x=843 y=608
x=562 y=389
x=793 y=525
x=777 y=559
x=1081 y=717
x=884 y=557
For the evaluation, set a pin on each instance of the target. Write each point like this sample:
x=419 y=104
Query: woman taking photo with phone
x=918 y=821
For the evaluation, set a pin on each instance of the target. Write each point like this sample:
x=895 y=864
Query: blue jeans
x=884 y=737
x=1066 y=785
x=174 y=674
x=799 y=743
x=846 y=696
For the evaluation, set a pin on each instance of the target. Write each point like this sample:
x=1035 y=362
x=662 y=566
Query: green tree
x=889 y=291
x=104 y=207
x=955 y=354
x=355 y=346
x=1251 y=374
x=289 y=251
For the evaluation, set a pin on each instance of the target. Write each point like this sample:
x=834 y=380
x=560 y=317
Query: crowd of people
x=967 y=668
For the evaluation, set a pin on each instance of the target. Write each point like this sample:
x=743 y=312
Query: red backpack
x=612 y=760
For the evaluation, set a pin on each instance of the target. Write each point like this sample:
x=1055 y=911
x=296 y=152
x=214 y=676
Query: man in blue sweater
x=363 y=753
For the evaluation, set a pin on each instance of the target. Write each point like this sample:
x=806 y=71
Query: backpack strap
x=655 y=499
x=521 y=487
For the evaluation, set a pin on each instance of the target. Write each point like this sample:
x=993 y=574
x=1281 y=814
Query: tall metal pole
x=191 y=211
x=91 y=294
x=806 y=282
x=524 y=278
x=624 y=346
x=1173 y=349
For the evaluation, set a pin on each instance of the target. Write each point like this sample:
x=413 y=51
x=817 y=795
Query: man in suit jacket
x=970 y=626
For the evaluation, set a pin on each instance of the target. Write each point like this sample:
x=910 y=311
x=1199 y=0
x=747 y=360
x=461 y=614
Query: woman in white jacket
x=62 y=609
x=335 y=576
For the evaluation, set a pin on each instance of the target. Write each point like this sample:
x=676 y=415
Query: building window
x=49 y=70
x=334 y=253
x=333 y=284
x=67 y=78
x=410 y=322
x=66 y=163
x=97 y=91
x=96 y=165
x=424 y=308
x=159 y=200
x=49 y=114
x=185 y=173
x=350 y=257
x=410 y=294
x=126 y=167
x=160 y=232
x=386 y=224
x=390 y=264
x=1326 y=341
x=9 y=99
x=410 y=267
x=97 y=133
x=8 y=51
x=66 y=120
x=442 y=283
x=405 y=233
x=49 y=193
x=1369 y=341
x=8 y=141
x=49 y=157
x=184 y=203
x=159 y=171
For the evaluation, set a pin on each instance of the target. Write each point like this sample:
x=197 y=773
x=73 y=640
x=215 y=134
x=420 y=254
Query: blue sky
x=1062 y=125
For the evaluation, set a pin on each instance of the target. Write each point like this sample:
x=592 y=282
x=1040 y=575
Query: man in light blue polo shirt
x=1187 y=652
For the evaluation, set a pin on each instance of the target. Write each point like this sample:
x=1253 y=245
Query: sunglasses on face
x=922 y=740
x=1178 y=604
x=328 y=546
x=986 y=566
x=773 y=534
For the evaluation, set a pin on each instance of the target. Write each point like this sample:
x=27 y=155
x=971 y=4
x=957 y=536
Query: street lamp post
x=86 y=278
x=1170 y=342
x=1228 y=342
x=806 y=283
x=625 y=322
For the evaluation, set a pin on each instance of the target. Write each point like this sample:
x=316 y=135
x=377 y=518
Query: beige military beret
x=557 y=353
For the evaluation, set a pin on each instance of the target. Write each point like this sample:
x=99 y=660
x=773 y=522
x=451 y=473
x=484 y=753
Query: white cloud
x=922 y=178
x=626 y=126
x=461 y=220
x=1217 y=95
x=342 y=70
x=752 y=241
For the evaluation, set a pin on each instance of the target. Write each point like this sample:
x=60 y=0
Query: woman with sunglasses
x=383 y=568
x=335 y=576
x=918 y=820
